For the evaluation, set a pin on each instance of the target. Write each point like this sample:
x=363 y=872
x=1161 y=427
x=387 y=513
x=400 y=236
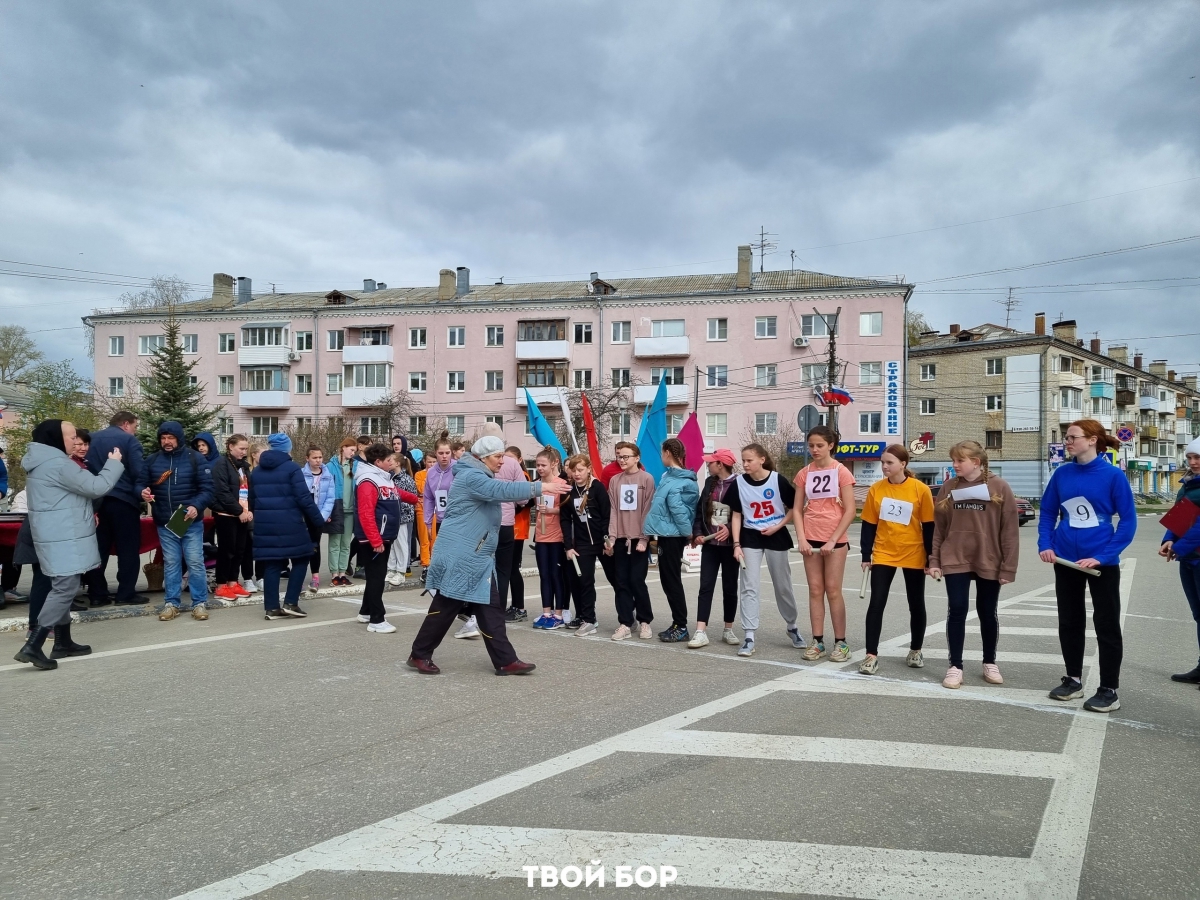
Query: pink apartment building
x=744 y=349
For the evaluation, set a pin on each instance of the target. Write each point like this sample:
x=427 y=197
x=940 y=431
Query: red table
x=148 y=541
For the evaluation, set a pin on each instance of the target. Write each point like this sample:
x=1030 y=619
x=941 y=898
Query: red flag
x=593 y=445
x=693 y=443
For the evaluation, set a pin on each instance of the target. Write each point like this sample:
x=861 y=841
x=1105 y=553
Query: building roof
x=14 y=396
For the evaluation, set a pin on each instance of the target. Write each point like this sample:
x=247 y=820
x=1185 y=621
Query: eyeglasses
x=626 y=456
x=1067 y=438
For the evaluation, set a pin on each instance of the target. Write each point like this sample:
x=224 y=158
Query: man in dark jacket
x=119 y=520
x=174 y=476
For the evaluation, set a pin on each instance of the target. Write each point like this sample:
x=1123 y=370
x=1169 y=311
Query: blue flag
x=653 y=433
x=540 y=428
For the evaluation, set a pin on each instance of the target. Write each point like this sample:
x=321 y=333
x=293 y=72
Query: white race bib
x=974 y=492
x=628 y=499
x=440 y=498
x=898 y=511
x=1081 y=513
x=762 y=506
x=822 y=484
x=548 y=501
x=582 y=513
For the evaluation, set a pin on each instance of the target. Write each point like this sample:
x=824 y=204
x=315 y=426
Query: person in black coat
x=231 y=514
x=119 y=513
x=584 y=527
x=281 y=502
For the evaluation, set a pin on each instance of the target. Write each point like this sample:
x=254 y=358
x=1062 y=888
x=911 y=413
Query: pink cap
x=721 y=455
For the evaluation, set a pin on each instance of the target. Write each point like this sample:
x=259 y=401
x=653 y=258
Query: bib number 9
x=1081 y=513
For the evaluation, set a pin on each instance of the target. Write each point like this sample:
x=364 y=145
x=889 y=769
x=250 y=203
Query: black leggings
x=233 y=536
x=1106 y=616
x=670 y=577
x=987 y=598
x=516 y=581
x=583 y=583
x=714 y=559
x=550 y=574
x=881 y=584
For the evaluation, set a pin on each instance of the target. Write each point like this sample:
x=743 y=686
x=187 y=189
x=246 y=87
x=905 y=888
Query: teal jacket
x=674 y=504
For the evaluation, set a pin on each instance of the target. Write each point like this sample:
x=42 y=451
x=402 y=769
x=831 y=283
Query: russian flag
x=836 y=396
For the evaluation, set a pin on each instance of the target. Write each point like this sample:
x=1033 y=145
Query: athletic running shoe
x=586 y=628
x=251 y=585
x=294 y=610
x=674 y=634
x=199 y=611
x=953 y=679
x=384 y=627
x=470 y=630
x=169 y=612
x=991 y=674
x=276 y=613
x=622 y=633
x=729 y=637
x=816 y=649
x=364 y=618
x=545 y=623
x=869 y=666
x=1105 y=700
x=574 y=625
x=644 y=631
x=512 y=614
x=797 y=638
x=239 y=590
x=699 y=639
x=225 y=592
x=840 y=652
x=747 y=648
x=1070 y=689
x=915 y=659
x=316 y=582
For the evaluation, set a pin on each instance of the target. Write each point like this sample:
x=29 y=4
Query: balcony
x=363 y=396
x=676 y=393
x=276 y=355
x=1126 y=398
x=367 y=353
x=540 y=395
x=264 y=399
x=1166 y=407
x=1149 y=431
x=659 y=347
x=1148 y=402
x=1103 y=389
x=1069 y=415
x=1182 y=439
x=534 y=350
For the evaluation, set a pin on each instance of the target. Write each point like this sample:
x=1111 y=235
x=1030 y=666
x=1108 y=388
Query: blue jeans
x=174 y=550
x=270 y=585
x=1190 y=576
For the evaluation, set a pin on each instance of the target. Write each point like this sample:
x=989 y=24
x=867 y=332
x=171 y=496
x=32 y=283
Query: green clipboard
x=179 y=523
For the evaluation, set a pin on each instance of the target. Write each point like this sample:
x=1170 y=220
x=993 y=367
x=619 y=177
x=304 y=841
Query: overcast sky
x=314 y=144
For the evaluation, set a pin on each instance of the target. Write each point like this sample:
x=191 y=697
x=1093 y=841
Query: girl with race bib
x=1075 y=524
x=548 y=545
x=436 y=494
x=897 y=533
x=760 y=505
x=974 y=539
x=823 y=517
x=630 y=493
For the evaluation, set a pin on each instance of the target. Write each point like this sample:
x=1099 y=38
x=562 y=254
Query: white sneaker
x=395 y=578
x=729 y=637
x=250 y=585
x=469 y=630
x=699 y=639
x=364 y=618
x=585 y=629
x=644 y=631
x=384 y=627
x=622 y=633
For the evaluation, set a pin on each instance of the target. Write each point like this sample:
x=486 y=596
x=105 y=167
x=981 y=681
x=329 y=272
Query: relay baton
x=1078 y=568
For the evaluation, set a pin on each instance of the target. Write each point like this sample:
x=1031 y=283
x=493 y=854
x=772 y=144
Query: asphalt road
x=238 y=757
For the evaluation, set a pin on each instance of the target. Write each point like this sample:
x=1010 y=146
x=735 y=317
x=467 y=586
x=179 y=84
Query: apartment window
x=416 y=382
x=818 y=326
x=225 y=384
x=456 y=381
x=370 y=425
x=716 y=424
x=870 y=423
x=264 y=379
x=261 y=426
x=928 y=371
x=337 y=423
x=814 y=374
x=994 y=366
x=1102 y=373
x=116 y=387
x=542 y=330
x=1070 y=398
x=766 y=423
x=994 y=402
x=116 y=345
x=368 y=375
x=494 y=420
x=1163 y=448
x=493 y=380
x=304 y=422
x=870 y=373
x=304 y=341
x=416 y=424
x=717 y=376
x=621 y=424
x=333 y=383
x=583 y=379
x=668 y=328
x=191 y=343
x=417 y=339
x=870 y=324
x=193 y=380
x=495 y=335
x=765 y=376
x=620 y=378
x=542 y=374
x=718 y=329
x=583 y=332
x=1065 y=364
x=1102 y=406
x=150 y=343
x=146 y=383
x=621 y=332
x=375 y=337
x=303 y=384
x=669 y=374
x=993 y=440
x=765 y=326
x=335 y=339
x=928 y=406
x=456 y=336
x=267 y=336
x=456 y=424
x=225 y=426
x=226 y=343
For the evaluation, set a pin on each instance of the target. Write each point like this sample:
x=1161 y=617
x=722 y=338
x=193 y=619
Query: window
x=495 y=335
x=994 y=366
x=417 y=339
x=766 y=423
x=870 y=373
x=765 y=376
x=716 y=424
x=304 y=421
x=336 y=423
x=870 y=423
x=416 y=382
x=620 y=378
x=416 y=424
x=1065 y=364
x=304 y=341
x=669 y=374
x=116 y=387
x=1163 y=448
x=718 y=329
x=812 y=375
x=226 y=343
x=333 y=383
x=456 y=381
x=149 y=343
x=261 y=426
x=1102 y=406
x=928 y=406
x=494 y=420
x=621 y=332
x=1070 y=398
x=583 y=332
x=372 y=375
x=818 y=325
x=267 y=336
x=1102 y=373
x=375 y=337
x=116 y=345
x=717 y=376
x=583 y=379
x=668 y=328
x=191 y=343
x=993 y=440
x=370 y=425
x=335 y=339
x=542 y=374
x=493 y=380
x=264 y=379
x=765 y=326
x=542 y=330
x=928 y=371
x=621 y=424
x=225 y=384
x=303 y=384
x=870 y=324
x=456 y=424
x=456 y=336
x=146 y=383
x=994 y=402
x=225 y=426
x=193 y=380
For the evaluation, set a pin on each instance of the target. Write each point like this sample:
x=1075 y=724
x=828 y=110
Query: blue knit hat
x=279 y=441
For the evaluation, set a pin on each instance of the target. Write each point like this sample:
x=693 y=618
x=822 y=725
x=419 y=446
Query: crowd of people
x=466 y=513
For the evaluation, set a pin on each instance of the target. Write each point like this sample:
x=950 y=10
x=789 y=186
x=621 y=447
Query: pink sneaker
x=991 y=674
x=953 y=679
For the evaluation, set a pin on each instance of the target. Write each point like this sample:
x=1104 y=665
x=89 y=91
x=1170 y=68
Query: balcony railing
x=363 y=396
x=367 y=353
x=275 y=355
x=540 y=395
x=534 y=350
x=265 y=399
x=1126 y=398
x=676 y=393
x=658 y=347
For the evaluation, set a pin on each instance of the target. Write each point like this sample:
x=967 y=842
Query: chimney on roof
x=446 y=284
x=1170 y=374
x=368 y=285
x=955 y=329
x=243 y=292
x=595 y=276
x=1039 y=323
x=745 y=265
x=382 y=286
x=1119 y=352
x=1159 y=367
x=1137 y=360
x=1094 y=345
x=462 y=285
x=1065 y=330
x=1189 y=382
x=222 y=287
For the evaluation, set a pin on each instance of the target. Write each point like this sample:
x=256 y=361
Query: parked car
x=1025 y=511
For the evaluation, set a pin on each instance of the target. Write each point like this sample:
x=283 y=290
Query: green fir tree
x=168 y=393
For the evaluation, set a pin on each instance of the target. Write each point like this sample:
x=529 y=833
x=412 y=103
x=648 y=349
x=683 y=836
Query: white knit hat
x=488 y=445
x=1193 y=447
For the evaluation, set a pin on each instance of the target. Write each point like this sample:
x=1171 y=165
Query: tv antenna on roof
x=764 y=245
x=1009 y=303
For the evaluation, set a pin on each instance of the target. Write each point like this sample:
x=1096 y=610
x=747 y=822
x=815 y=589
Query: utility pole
x=831 y=371
x=696 y=394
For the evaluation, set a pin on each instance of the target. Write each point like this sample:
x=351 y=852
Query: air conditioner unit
x=800 y=342
x=293 y=356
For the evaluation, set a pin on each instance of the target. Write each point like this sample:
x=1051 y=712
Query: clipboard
x=179 y=524
x=1181 y=517
x=1095 y=573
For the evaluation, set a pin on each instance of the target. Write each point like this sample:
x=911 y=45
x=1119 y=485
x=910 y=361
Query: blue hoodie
x=1187 y=545
x=213 y=453
x=674 y=504
x=1077 y=485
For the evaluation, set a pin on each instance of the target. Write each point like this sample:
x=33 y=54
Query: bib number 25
x=762 y=509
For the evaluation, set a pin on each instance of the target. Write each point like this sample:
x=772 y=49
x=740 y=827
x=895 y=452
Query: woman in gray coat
x=63 y=522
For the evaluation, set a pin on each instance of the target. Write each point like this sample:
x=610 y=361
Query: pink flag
x=693 y=443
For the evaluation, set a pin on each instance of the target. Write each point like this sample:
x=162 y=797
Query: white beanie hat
x=488 y=445
x=1193 y=447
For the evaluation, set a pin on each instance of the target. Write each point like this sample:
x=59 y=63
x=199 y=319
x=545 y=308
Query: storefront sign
x=891 y=395
x=860 y=451
x=1058 y=454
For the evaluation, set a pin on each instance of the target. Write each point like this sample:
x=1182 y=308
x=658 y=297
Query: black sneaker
x=424 y=572
x=95 y=602
x=1192 y=677
x=512 y=614
x=674 y=634
x=574 y=624
x=1070 y=689
x=293 y=610
x=135 y=600
x=276 y=613
x=1105 y=700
